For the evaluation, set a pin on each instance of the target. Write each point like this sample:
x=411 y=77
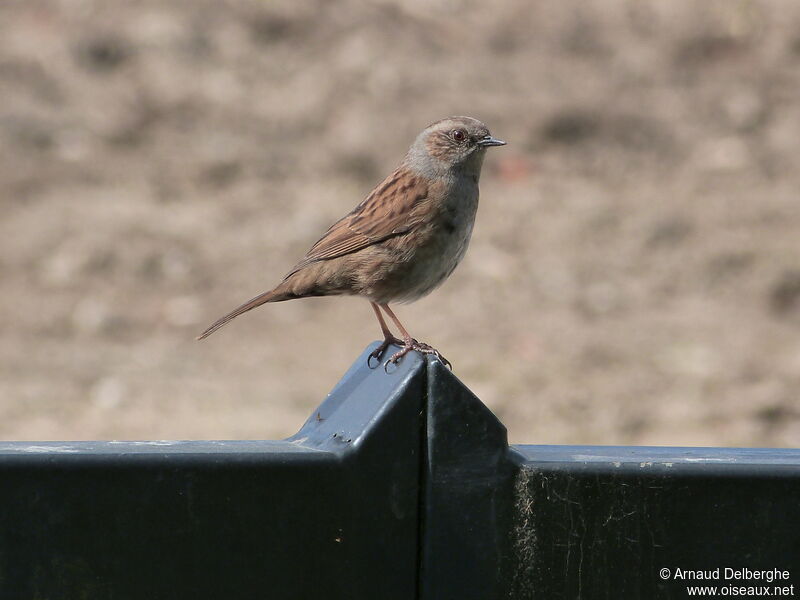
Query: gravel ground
x=634 y=275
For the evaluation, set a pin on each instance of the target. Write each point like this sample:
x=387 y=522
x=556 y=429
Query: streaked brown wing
x=391 y=209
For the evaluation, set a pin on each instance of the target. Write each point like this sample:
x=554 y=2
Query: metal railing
x=400 y=485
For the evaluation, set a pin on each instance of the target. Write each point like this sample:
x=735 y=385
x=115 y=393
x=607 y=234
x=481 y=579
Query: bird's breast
x=436 y=248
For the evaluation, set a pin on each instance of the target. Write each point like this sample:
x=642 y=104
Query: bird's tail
x=270 y=296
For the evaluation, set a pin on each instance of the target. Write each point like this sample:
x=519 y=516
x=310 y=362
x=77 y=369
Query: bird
x=403 y=240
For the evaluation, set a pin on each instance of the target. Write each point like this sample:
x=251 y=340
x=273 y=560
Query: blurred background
x=634 y=274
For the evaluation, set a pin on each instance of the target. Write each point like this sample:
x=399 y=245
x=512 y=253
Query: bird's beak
x=490 y=141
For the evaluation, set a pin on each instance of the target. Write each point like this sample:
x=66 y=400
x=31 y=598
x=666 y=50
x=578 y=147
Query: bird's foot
x=378 y=353
x=420 y=347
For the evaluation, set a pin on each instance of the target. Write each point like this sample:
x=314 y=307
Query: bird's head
x=455 y=143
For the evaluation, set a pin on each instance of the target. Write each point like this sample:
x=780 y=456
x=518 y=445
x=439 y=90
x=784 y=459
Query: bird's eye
x=459 y=135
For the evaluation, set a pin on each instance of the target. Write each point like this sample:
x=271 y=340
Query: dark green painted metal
x=401 y=485
x=329 y=513
x=601 y=522
x=468 y=482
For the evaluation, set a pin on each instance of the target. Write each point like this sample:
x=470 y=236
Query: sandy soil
x=634 y=276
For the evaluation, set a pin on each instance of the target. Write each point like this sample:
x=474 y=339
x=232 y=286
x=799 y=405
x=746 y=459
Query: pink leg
x=388 y=337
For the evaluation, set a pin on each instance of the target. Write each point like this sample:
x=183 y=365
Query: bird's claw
x=381 y=350
x=420 y=347
x=428 y=349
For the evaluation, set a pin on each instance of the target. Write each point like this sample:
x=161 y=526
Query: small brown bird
x=404 y=239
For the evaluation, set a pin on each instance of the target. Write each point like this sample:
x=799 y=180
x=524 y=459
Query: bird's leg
x=388 y=337
x=410 y=343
